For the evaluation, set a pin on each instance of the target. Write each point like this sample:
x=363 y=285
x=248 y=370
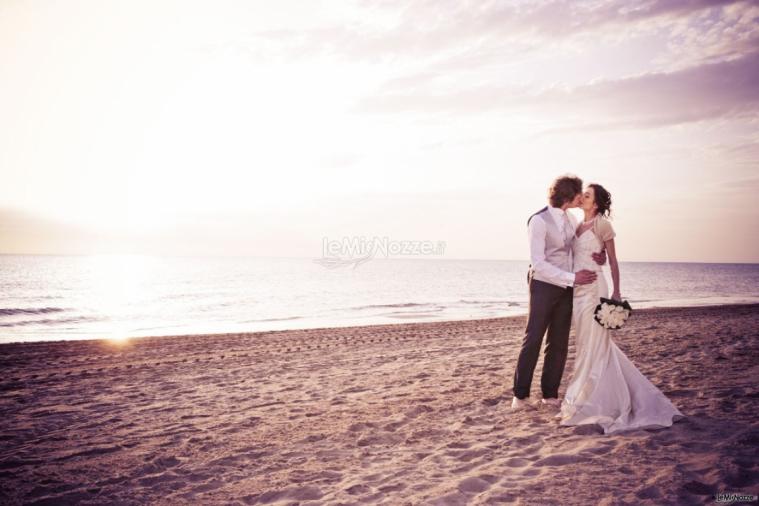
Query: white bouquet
x=612 y=314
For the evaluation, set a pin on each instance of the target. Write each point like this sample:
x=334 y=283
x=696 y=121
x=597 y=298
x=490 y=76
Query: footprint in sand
x=380 y=440
x=477 y=484
x=314 y=438
x=651 y=492
x=418 y=410
x=452 y=499
x=517 y=462
x=393 y=426
x=361 y=426
x=358 y=489
x=559 y=460
x=305 y=493
x=587 y=429
x=742 y=474
x=469 y=455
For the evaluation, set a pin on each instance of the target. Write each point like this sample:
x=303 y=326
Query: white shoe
x=552 y=402
x=518 y=404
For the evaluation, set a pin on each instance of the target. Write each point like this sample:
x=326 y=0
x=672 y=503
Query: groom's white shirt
x=550 y=247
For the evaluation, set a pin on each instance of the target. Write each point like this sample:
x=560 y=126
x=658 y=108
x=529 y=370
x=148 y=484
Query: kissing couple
x=566 y=283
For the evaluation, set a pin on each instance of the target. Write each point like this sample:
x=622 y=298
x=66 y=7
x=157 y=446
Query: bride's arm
x=614 y=268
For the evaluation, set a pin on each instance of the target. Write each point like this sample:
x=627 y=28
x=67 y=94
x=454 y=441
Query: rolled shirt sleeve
x=536 y=232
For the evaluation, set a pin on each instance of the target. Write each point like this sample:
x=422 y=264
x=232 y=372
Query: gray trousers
x=550 y=309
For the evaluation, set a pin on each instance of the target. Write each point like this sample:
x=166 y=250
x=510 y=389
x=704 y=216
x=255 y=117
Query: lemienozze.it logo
x=731 y=497
x=357 y=250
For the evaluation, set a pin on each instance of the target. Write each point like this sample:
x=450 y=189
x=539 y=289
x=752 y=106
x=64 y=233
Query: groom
x=551 y=279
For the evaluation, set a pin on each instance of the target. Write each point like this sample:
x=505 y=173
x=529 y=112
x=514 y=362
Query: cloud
x=438 y=28
x=704 y=92
x=434 y=44
x=742 y=152
x=746 y=187
x=707 y=38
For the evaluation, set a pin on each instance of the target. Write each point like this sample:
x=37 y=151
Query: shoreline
x=643 y=310
x=411 y=413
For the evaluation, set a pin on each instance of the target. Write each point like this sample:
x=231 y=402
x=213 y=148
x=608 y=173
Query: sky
x=260 y=128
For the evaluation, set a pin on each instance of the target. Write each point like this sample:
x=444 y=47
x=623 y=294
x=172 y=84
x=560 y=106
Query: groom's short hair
x=564 y=189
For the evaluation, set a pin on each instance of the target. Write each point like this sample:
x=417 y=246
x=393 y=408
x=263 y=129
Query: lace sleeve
x=603 y=229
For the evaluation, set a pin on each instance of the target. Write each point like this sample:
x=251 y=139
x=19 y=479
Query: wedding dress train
x=606 y=388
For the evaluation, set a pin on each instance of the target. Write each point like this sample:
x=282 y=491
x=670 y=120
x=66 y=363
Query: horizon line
x=399 y=257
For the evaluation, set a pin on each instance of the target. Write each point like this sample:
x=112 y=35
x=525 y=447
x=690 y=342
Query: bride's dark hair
x=603 y=199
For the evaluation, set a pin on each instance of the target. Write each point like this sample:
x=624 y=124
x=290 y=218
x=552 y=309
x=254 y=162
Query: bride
x=606 y=388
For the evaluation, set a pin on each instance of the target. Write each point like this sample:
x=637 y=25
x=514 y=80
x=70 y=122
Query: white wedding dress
x=606 y=388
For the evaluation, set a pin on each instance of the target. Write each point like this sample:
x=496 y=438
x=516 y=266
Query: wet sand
x=413 y=413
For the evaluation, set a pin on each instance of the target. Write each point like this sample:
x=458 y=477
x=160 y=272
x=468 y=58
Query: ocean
x=44 y=298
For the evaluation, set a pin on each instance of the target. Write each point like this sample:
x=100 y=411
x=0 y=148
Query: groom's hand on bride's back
x=584 y=277
x=600 y=258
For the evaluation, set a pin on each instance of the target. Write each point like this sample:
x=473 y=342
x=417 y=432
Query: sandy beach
x=404 y=414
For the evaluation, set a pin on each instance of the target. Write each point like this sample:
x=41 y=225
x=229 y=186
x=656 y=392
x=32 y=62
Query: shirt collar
x=557 y=211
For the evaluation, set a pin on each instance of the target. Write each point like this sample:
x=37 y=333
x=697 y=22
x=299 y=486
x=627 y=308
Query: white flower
x=613 y=319
x=605 y=312
x=612 y=316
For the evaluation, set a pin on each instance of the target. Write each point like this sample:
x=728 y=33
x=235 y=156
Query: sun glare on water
x=118 y=284
x=118 y=340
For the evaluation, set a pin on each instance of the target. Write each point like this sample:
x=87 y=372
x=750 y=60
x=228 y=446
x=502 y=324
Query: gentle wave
x=507 y=302
x=380 y=306
x=10 y=311
x=410 y=315
x=274 y=319
x=50 y=321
